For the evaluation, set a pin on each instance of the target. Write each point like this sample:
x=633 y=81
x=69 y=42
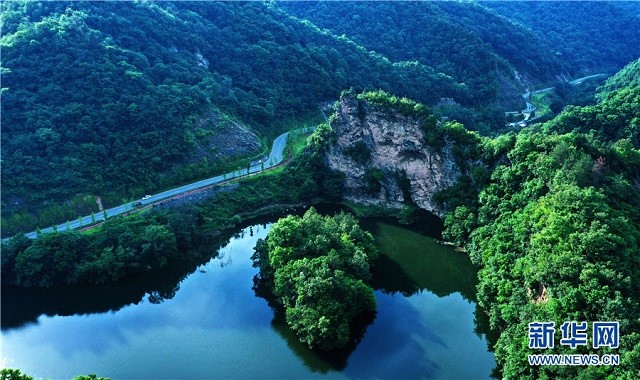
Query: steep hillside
x=119 y=99
x=549 y=217
x=115 y=100
x=628 y=77
x=589 y=38
x=395 y=154
x=616 y=116
x=555 y=232
x=495 y=57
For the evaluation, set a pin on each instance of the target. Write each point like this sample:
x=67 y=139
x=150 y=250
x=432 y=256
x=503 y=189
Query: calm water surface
x=212 y=325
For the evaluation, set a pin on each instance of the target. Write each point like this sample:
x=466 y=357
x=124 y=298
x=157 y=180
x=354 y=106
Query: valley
x=323 y=190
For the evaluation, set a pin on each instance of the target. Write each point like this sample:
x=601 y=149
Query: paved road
x=275 y=157
x=573 y=82
x=527 y=95
x=541 y=91
x=580 y=80
x=530 y=108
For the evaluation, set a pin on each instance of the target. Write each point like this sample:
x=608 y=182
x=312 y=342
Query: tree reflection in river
x=22 y=306
x=315 y=359
x=427 y=321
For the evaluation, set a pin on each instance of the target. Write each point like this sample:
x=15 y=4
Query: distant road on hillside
x=531 y=108
x=580 y=80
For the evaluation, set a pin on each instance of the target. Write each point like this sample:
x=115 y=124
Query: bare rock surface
x=397 y=149
x=217 y=137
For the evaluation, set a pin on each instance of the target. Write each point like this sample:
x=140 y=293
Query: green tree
x=13 y=374
x=317 y=267
x=50 y=260
x=90 y=377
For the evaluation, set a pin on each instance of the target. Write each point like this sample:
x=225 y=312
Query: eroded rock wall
x=397 y=148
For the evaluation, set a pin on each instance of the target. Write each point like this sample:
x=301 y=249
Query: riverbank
x=425 y=298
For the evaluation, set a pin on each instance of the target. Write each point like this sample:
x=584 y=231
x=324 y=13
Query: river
x=209 y=323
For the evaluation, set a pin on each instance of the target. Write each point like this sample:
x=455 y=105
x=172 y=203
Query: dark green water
x=210 y=324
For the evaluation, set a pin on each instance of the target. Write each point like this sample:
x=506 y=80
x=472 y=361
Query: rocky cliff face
x=385 y=158
x=217 y=137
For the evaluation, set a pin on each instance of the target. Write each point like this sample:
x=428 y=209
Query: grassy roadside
x=296 y=142
x=542 y=102
x=23 y=222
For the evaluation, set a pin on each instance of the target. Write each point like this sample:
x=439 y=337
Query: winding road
x=276 y=156
x=531 y=108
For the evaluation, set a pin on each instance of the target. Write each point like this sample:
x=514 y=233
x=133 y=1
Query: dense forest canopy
x=464 y=40
x=587 y=37
x=555 y=229
x=318 y=268
x=616 y=116
x=110 y=99
x=104 y=99
x=159 y=237
x=628 y=77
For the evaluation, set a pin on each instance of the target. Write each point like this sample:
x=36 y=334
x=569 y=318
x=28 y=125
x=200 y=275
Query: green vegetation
x=116 y=99
x=616 y=116
x=372 y=180
x=123 y=246
x=359 y=152
x=555 y=232
x=402 y=105
x=556 y=239
x=628 y=77
x=297 y=138
x=119 y=100
x=466 y=41
x=109 y=99
x=317 y=266
x=484 y=44
x=148 y=240
x=304 y=180
x=542 y=102
x=566 y=94
x=586 y=38
x=466 y=143
x=15 y=374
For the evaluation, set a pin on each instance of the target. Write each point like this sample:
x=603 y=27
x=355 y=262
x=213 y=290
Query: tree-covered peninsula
x=318 y=267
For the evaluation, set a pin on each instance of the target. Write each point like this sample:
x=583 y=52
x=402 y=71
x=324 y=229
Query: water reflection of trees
x=21 y=306
x=448 y=274
x=316 y=360
x=390 y=277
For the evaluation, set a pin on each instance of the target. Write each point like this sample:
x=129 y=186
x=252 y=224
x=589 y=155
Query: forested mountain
x=615 y=117
x=118 y=99
x=588 y=38
x=464 y=40
x=483 y=43
x=114 y=99
x=628 y=77
x=107 y=98
x=555 y=230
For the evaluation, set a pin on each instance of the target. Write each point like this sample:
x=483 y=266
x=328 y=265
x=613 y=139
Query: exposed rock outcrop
x=217 y=137
x=385 y=158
